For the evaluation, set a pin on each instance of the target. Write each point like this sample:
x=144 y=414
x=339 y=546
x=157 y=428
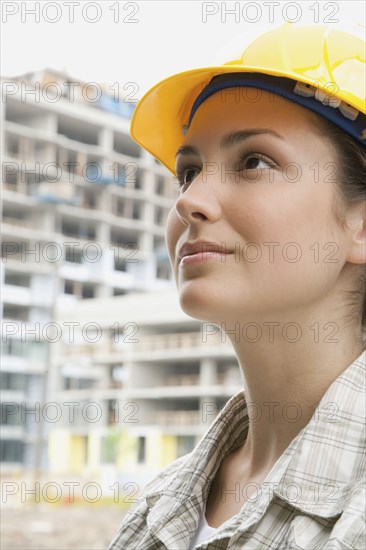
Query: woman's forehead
x=258 y=112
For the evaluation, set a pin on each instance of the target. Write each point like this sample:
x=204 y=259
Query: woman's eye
x=248 y=161
x=186 y=175
x=254 y=162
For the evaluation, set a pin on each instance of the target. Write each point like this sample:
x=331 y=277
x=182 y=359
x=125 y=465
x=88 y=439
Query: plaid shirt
x=313 y=498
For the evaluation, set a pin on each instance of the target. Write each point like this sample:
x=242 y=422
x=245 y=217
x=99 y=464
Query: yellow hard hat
x=326 y=63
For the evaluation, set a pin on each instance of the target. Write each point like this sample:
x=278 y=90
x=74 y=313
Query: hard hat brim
x=333 y=62
x=159 y=116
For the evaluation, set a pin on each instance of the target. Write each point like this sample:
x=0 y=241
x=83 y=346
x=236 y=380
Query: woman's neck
x=284 y=382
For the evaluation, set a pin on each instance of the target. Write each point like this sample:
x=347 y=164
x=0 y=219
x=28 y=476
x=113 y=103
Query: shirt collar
x=323 y=462
x=329 y=453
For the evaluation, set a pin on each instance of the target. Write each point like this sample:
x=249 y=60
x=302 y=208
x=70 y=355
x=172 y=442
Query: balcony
x=182 y=380
x=19 y=222
x=181 y=340
x=14 y=294
x=176 y=418
x=86 y=350
x=155 y=347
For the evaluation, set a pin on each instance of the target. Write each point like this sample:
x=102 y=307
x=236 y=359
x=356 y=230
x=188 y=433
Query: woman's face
x=266 y=195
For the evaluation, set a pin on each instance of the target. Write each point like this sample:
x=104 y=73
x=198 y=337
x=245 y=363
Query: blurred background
x=104 y=380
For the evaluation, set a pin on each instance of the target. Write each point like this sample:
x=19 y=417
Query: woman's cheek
x=172 y=232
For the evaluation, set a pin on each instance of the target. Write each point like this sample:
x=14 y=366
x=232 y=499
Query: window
x=185 y=444
x=85 y=383
x=78 y=383
x=13 y=145
x=109 y=448
x=10 y=249
x=69 y=287
x=136 y=211
x=159 y=216
x=37 y=351
x=17 y=279
x=10 y=414
x=87 y=291
x=39 y=149
x=119 y=292
x=141 y=449
x=32 y=178
x=163 y=271
x=160 y=185
x=119 y=176
x=120 y=264
x=11 y=450
x=120 y=207
x=85 y=445
x=15 y=348
x=11 y=178
x=71 y=228
x=16 y=216
x=15 y=312
x=72 y=255
x=88 y=201
x=12 y=381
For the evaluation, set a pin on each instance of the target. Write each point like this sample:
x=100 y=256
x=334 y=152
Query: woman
x=267 y=239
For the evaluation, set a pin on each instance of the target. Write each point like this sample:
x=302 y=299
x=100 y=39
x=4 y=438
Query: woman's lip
x=203 y=257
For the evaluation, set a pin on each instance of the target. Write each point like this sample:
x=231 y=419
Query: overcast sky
x=143 y=42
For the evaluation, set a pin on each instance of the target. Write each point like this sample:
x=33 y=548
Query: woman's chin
x=201 y=305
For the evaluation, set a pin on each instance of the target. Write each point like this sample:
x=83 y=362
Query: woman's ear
x=356 y=223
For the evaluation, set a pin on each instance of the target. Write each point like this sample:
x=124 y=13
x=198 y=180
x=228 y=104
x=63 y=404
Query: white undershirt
x=203 y=531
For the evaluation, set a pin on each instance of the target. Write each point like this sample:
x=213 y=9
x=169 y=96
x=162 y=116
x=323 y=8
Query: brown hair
x=350 y=189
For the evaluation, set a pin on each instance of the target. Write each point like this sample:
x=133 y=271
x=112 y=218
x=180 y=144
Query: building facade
x=83 y=212
x=144 y=381
x=85 y=269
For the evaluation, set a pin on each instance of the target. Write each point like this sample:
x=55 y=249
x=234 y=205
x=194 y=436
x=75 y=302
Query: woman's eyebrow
x=187 y=150
x=232 y=138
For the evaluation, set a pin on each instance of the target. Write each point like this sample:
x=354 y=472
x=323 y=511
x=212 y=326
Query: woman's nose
x=199 y=201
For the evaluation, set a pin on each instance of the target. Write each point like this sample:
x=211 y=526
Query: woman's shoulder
x=159 y=483
x=163 y=478
x=133 y=527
